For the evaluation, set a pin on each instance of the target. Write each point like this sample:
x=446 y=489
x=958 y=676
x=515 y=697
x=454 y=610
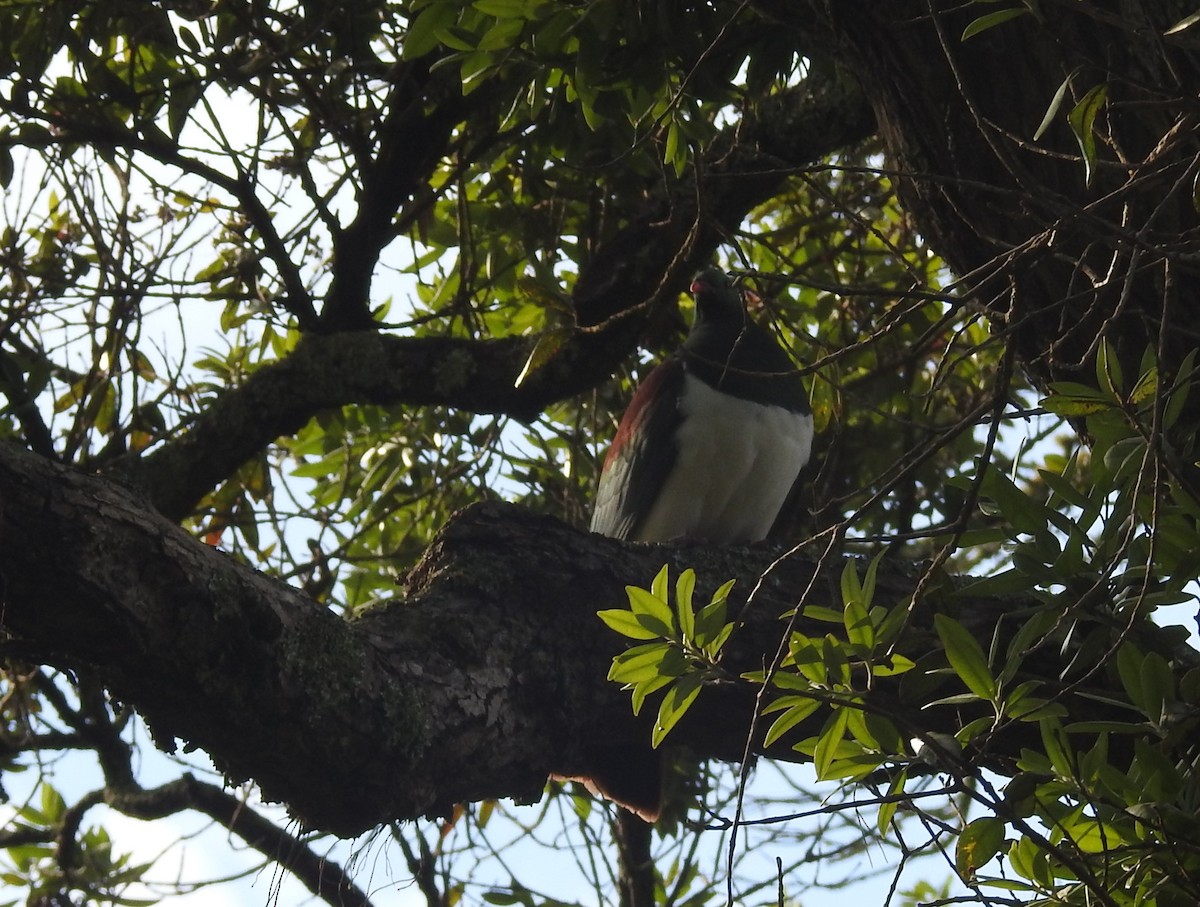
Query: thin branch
x=323 y=877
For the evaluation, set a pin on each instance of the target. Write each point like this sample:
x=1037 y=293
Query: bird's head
x=717 y=299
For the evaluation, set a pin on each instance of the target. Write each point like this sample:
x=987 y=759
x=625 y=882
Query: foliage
x=194 y=192
x=686 y=649
x=90 y=871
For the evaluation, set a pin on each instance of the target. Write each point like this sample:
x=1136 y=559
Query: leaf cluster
x=685 y=650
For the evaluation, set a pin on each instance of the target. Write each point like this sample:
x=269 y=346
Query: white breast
x=737 y=462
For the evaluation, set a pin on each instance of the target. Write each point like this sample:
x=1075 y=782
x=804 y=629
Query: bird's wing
x=641 y=455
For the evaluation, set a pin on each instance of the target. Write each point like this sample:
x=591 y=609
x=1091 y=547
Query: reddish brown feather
x=635 y=415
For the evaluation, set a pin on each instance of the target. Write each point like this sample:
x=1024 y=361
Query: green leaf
x=807 y=658
x=1021 y=511
x=423 y=34
x=1105 y=727
x=1189 y=686
x=979 y=843
x=506 y=9
x=675 y=151
x=502 y=898
x=1075 y=389
x=1073 y=407
x=1129 y=670
x=626 y=623
x=713 y=647
x=644 y=688
x=827 y=743
x=1006 y=582
x=983 y=23
x=836 y=661
x=142 y=365
x=1030 y=862
x=1083 y=123
x=1124 y=456
x=685 y=586
x=868 y=584
x=1158 y=685
x=1108 y=370
x=828 y=615
x=1062 y=487
x=824 y=399
x=639 y=663
x=1183 y=24
x=859 y=629
x=783 y=680
x=544 y=350
x=7 y=166
x=1096 y=836
x=674 y=706
x=893 y=622
x=1034 y=709
x=1145 y=388
x=851 y=588
x=966 y=657
x=653 y=611
x=658 y=587
x=897 y=664
x=1055 y=104
x=53 y=805
x=710 y=621
x=1031 y=631
x=182 y=99
x=1056 y=746
x=956 y=699
x=1179 y=390
x=851 y=764
x=888 y=810
x=797 y=709
x=973 y=729
x=862 y=732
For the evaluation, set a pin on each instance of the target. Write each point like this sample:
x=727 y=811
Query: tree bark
x=483 y=677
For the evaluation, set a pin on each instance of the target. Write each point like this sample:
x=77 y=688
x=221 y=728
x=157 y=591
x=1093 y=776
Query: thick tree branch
x=329 y=371
x=485 y=678
x=413 y=135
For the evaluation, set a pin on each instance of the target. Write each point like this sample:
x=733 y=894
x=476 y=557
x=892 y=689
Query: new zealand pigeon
x=715 y=436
